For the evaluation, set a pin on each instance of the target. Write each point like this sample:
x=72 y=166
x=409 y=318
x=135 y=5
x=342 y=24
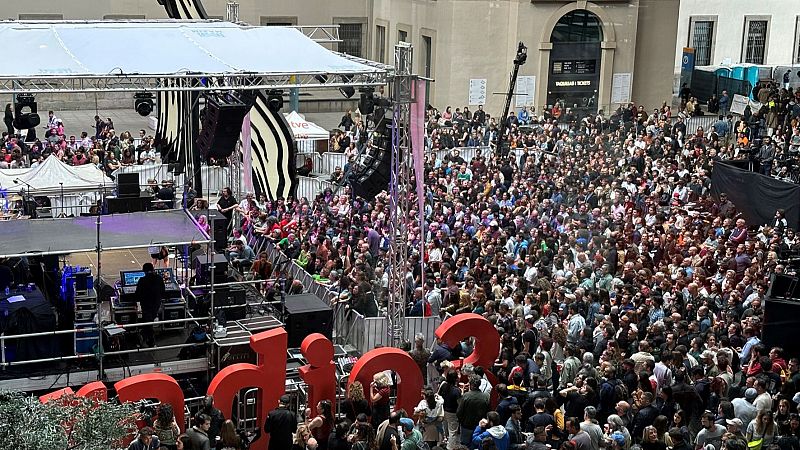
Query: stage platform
x=117 y=231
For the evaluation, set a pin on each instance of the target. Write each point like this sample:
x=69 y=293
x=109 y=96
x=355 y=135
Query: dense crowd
x=629 y=301
x=103 y=148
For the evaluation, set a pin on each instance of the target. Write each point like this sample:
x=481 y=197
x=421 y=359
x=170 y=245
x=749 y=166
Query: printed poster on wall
x=621 y=88
x=526 y=91
x=477 y=91
x=739 y=103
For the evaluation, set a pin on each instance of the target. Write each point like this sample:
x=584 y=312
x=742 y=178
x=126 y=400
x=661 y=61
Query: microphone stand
x=25 y=199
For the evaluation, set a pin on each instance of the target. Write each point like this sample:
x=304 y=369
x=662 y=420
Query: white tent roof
x=303 y=129
x=45 y=178
x=61 y=48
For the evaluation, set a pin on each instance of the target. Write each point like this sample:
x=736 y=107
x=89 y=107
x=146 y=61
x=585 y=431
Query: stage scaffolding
x=400 y=185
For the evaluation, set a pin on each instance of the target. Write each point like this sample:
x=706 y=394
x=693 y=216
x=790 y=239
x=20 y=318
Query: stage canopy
x=117 y=231
x=129 y=54
x=303 y=129
x=53 y=175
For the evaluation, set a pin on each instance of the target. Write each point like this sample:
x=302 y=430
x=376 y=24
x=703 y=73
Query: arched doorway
x=574 y=72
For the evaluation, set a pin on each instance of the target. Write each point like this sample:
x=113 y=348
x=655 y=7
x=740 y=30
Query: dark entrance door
x=574 y=72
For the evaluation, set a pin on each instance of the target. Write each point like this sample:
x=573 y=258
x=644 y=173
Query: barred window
x=351 y=38
x=756 y=41
x=702 y=40
x=380 y=43
x=402 y=36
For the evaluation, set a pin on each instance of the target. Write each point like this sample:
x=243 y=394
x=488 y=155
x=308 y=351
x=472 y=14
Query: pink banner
x=418 y=152
x=247 y=157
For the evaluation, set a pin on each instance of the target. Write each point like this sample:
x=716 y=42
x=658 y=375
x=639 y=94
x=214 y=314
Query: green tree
x=66 y=423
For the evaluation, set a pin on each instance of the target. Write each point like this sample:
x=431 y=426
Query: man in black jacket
x=198 y=434
x=281 y=424
x=149 y=293
x=474 y=406
x=646 y=416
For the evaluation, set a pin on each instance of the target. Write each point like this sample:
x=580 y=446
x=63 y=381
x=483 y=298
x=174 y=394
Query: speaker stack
x=376 y=174
x=26 y=112
x=222 y=124
x=202 y=268
x=782 y=314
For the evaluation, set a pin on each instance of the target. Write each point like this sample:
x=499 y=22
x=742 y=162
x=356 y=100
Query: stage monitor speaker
x=128 y=185
x=222 y=124
x=234 y=298
x=127 y=204
x=781 y=320
x=202 y=268
x=306 y=314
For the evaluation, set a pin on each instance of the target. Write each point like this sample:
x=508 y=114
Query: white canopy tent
x=71 y=189
x=308 y=135
x=132 y=55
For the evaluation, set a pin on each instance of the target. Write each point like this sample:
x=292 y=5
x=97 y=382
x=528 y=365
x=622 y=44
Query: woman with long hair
x=301 y=437
x=364 y=438
x=762 y=428
x=650 y=439
x=355 y=403
x=322 y=424
x=379 y=395
x=229 y=438
x=783 y=415
x=430 y=416
x=165 y=426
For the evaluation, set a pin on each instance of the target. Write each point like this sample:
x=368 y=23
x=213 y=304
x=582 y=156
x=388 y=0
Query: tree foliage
x=66 y=423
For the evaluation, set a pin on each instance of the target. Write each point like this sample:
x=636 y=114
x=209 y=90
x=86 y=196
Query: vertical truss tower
x=401 y=186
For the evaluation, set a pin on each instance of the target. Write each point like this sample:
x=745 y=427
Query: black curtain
x=756 y=196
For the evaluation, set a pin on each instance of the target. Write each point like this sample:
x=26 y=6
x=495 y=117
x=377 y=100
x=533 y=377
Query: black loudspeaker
x=202 y=268
x=783 y=286
x=222 y=124
x=781 y=321
x=220 y=235
x=128 y=185
x=306 y=314
x=127 y=204
x=29 y=119
x=235 y=300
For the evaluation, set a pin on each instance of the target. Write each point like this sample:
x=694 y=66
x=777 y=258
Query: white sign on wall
x=621 y=88
x=526 y=91
x=477 y=91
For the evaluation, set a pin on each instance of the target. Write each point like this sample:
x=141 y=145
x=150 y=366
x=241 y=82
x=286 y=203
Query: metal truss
x=323 y=34
x=401 y=184
x=188 y=82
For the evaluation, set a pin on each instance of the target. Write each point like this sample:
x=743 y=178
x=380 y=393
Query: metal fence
x=693 y=123
x=324 y=164
x=214 y=177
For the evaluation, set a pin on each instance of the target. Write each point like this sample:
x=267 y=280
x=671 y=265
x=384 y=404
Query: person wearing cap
x=281 y=424
x=734 y=426
x=743 y=408
x=411 y=435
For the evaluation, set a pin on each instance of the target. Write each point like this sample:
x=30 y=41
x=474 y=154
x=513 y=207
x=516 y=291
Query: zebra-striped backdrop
x=184 y=9
x=272 y=142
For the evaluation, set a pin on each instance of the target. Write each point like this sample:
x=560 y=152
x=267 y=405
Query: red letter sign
x=380 y=359
x=153 y=385
x=320 y=373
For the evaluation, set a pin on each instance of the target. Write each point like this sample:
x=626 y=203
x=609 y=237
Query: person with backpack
x=611 y=391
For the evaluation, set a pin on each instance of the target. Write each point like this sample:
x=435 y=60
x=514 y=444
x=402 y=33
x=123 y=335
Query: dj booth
x=125 y=307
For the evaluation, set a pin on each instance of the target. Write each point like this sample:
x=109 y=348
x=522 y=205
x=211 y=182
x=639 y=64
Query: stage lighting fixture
x=347 y=91
x=28 y=119
x=275 y=100
x=522 y=54
x=322 y=78
x=143 y=103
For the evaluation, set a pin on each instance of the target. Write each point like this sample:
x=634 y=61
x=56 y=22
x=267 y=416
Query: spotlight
x=322 y=78
x=275 y=100
x=29 y=119
x=347 y=91
x=143 y=103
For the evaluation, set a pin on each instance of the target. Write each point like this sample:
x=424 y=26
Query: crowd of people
x=629 y=301
x=104 y=148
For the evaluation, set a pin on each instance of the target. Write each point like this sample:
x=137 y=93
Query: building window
x=702 y=40
x=797 y=41
x=402 y=36
x=278 y=21
x=755 y=41
x=351 y=38
x=35 y=16
x=380 y=43
x=427 y=48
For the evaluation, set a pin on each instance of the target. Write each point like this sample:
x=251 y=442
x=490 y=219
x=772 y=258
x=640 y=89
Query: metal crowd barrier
x=467 y=153
x=310 y=187
x=214 y=177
